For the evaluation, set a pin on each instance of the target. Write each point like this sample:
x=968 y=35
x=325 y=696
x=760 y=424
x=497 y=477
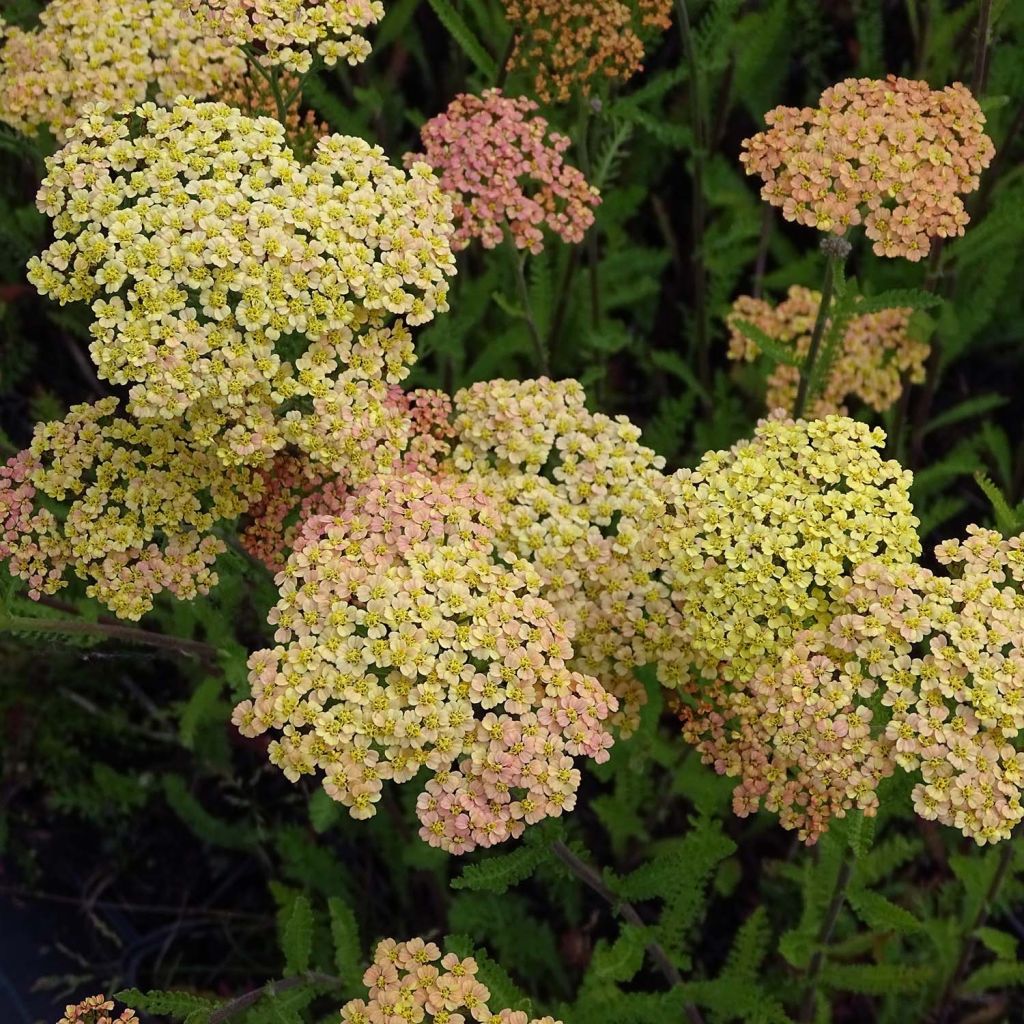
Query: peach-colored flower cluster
x=253 y=95
x=763 y=535
x=143 y=503
x=118 y=52
x=571 y=45
x=506 y=171
x=263 y=300
x=582 y=500
x=404 y=643
x=894 y=154
x=876 y=354
x=413 y=981
x=95 y=1010
x=287 y=32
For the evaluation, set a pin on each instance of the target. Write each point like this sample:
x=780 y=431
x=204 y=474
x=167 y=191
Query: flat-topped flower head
x=117 y=52
x=96 y=1010
x=506 y=172
x=876 y=355
x=415 y=981
x=572 y=46
x=128 y=507
x=582 y=500
x=763 y=535
x=893 y=154
x=264 y=300
x=287 y=33
x=404 y=644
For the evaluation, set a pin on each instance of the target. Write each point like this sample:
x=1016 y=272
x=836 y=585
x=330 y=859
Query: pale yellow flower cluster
x=117 y=52
x=582 y=500
x=763 y=535
x=876 y=355
x=287 y=32
x=142 y=501
x=263 y=300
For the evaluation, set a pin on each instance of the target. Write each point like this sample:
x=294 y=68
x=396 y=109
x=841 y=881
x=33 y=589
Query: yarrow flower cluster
x=403 y=644
x=143 y=501
x=95 y=1010
x=763 y=535
x=287 y=32
x=264 y=301
x=894 y=154
x=571 y=45
x=876 y=355
x=117 y=52
x=413 y=981
x=582 y=500
x=506 y=172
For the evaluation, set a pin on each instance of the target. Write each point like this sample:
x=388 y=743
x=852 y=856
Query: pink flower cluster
x=894 y=154
x=506 y=172
x=95 y=1010
x=413 y=981
x=143 y=502
x=876 y=355
x=404 y=643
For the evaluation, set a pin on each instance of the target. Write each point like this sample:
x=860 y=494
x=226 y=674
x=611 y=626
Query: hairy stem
x=519 y=263
x=274 y=988
x=969 y=940
x=807 y=370
x=129 y=634
x=825 y=934
x=591 y=878
x=698 y=212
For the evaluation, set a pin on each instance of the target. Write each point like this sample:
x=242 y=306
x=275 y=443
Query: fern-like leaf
x=464 y=36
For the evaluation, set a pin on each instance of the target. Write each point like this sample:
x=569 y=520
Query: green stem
x=518 y=263
x=981 y=48
x=593 y=880
x=591 y=239
x=807 y=370
x=969 y=939
x=698 y=213
x=562 y=304
x=825 y=934
x=274 y=988
x=82 y=627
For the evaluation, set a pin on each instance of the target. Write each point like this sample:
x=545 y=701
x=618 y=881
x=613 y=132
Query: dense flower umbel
x=571 y=45
x=142 y=502
x=505 y=171
x=117 y=52
x=894 y=153
x=877 y=352
x=582 y=500
x=763 y=535
x=413 y=981
x=404 y=644
x=95 y=1010
x=264 y=300
x=286 y=32
x=947 y=652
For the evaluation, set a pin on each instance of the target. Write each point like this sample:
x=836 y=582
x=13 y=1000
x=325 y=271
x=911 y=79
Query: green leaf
x=348 y=950
x=620 y=960
x=1001 y=943
x=463 y=35
x=976 y=406
x=323 y=811
x=201 y=707
x=296 y=933
x=497 y=873
x=774 y=350
x=173 y=1004
x=1000 y=975
x=876 y=979
x=881 y=914
x=897 y=298
x=200 y=821
x=1007 y=521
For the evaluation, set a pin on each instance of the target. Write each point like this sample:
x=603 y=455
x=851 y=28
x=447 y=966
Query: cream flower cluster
x=894 y=154
x=117 y=52
x=876 y=354
x=413 y=981
x=582 y=500
x=143 y=501
x=95 y=1010
x=505 y=172
x=763 y=535
x=403 y=643
x=287 y=32
x=572 y=45
x=264 y=301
